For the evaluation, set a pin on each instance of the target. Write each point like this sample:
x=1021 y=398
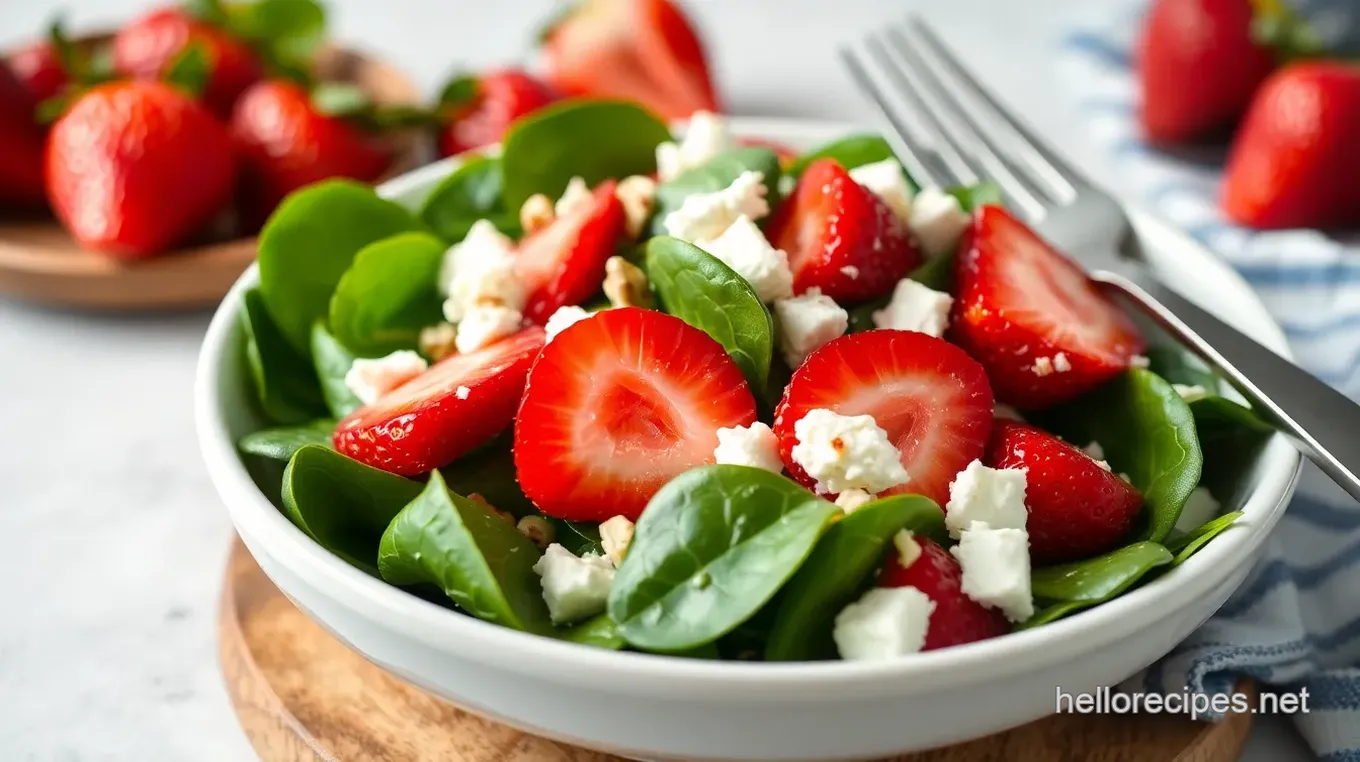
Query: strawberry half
x=480 y=109
x=563 y=263
x=454 y=407
x=1077 y=508
x=931 y=398
x=619 y=404
x=840 y=237
x=1033 y=319
x=957 y=619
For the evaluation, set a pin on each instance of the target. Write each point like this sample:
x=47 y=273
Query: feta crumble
x=850 y=271
x=1060 y=363
x=371 y=379
x=885 y=180
x=884 y=623
x=480 y=271
x=482 y=242
x=996 y=569
x=704 y=216
x=1200 y=507
x=744 y=248
x=564 y=316
x=981 y=494
x=616 y=534
x=706 y=137
x=915 y=307
x=1095 y=450
x=484 y=325
x=807 y=322
x=1043 y=366
x=574 y=587
x=846 y=452
x=1190 y=393
x=753 y=445
x=576 y=199
x=908 y=548
x=852 y=500
x=938 y=220
x=1139 y=361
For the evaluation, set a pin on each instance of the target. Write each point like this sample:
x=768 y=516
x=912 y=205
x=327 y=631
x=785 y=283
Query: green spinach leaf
x=715 y=175
x=1178 y=366
x=711 y=548
x=284 y=382
x=388 y=294
x=1052 y=613
x=839 y=568
x=1231 y=436
x=972 y=196
x=309 y=243
x=849 y=152
x=597 y=632
x=1188 y=545
x=490 y=472
x=282 y=442
x=1096 y=580
x=577 y=536
x=698 y=288
x=332 y=362
x=472 y=192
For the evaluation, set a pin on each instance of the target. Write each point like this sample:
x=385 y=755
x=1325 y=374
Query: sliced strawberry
x=840 y=237
x=444 y=413
x=957 y=619
x=489 y=103
x=1077 y=508
x=931 y=398
x=563 y=263
x=618 y=405
x=1033 y=319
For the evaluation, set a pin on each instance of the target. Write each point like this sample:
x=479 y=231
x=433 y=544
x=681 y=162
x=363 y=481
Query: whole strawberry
x=21 y=144
x=135 y=168
x=149 y=46
x=39 y=67
x=480 y=109
x=1296 y=158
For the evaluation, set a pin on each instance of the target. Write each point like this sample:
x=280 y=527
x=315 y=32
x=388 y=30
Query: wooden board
x=39 y=262
x=302 y=696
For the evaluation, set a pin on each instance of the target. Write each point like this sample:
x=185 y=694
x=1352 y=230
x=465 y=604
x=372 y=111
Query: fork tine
x=1047 y=165
x=901 y=136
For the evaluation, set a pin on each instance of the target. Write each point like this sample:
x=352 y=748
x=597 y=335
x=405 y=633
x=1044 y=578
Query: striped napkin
x=1295 y=622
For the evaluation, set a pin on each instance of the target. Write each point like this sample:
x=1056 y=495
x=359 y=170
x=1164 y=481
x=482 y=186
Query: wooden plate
x=39 y=262
x=302 y=696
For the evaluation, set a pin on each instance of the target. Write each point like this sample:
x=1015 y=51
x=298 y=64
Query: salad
x=714 y=398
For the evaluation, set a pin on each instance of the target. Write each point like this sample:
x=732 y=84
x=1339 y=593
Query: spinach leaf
x=388 y=294
x=1188 y=545
x=715 y=175
x=343 y=504
x=280 y=443
x=472 y=192
x=1096 y=580
x=597 y=632
x=1052 y=613
x=1148 y=433
x=479 y=560
x=284 y=383
x=332 y=362
x=849 y=152
x=972 y=196
x=592 y=139
x=577 y=536
x=698 y=288
x=711 y=548
x=1178 y=366
x=838 y=569
x=309 y=242
x=490 y=472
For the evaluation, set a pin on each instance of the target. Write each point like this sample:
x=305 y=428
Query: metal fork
x=962 y=134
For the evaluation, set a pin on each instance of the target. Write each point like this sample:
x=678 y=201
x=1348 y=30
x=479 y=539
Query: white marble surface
x=115 y=540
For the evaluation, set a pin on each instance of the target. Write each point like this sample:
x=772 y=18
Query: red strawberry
x=1295 y=160
x=39 y=68
x=642 y=50
x=21 y=145
x=428 y=422
x=135 y=168
x=1198 y=67
x=618 y=405
x=148 y=46
x=564 y=263
x=1077 y=508
x=481 y=109
x=1033 y=319
x=957 y=619
x=286 y=143
x=840 y=237
x=931 y=398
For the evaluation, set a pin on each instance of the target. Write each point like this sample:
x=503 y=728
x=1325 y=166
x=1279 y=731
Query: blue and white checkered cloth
x=1295 y=622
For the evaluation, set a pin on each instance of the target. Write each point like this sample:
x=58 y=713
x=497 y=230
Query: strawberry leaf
x=340 y=99
x=460 y=91
x=66 y=51
x=190 y=70
x=289 y=29
x=1278 y=26
x=50 y=110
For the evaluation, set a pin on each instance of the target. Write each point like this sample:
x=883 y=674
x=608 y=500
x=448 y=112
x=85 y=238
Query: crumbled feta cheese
x=1200 y=508
x=915 y=307
x=744 y=248
x=483 y=325
x=1125 y=477
x=563 y=317
x=996 y=569
x=1190 y=393
x=616 y=534
x=1139 y=361
x=1060 y=363
x=371 y=379
x=850 y=271
x=807 y=322
x=575 y=199
x=637 y=194
x=884 y=623
x=852 y=500
x=462 y=392
x=480 y=271
x=706 y=137
x=574 y=587
x=1007 y=412
x=1094 y=450
x=482 y=242
x=846 y=452
x=992 y=495
x=1043 y=366
x=704 y=216
x=885 y=180
x=437 y=341
x=754 y=445
x=908 y=548
x=938 y=220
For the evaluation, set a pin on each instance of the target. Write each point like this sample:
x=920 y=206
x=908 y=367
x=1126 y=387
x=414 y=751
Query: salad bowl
x=650 y=706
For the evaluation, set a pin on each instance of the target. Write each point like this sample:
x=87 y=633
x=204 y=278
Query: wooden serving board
x=302 y=696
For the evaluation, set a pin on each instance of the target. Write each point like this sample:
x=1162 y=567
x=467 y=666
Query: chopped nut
x=637 y=193
x=437 y=341
x=536 y=213
x=625 y=284
x=576 y=199
x=615 y=536
x=538 y=530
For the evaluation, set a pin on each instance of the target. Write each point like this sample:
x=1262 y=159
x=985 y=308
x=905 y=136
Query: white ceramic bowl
x=662 y=707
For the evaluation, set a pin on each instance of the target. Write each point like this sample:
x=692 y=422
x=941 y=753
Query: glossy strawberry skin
x=957 y=619
x=840 y=237
x=425 y=424
x=1295 y=161
x=1021 y=303
x=135 y=168
x=502 y=97
x=564 y=263
x=1198 y=67
x=146 y=47
x=21 y=145
x=37 y=66
x=1076 y=508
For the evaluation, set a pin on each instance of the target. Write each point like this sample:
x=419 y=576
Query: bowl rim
x=266 y=529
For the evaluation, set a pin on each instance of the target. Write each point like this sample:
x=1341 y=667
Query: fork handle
x=1322 y=422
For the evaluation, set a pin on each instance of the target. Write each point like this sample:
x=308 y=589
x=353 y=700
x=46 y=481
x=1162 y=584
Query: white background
x=113 y=540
